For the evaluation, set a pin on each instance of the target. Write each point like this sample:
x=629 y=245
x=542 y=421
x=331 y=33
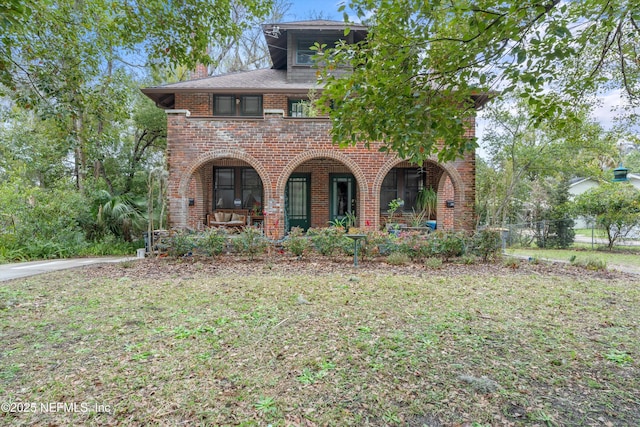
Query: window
x=224 y=188
x=232 y=183
x=389 y=190
x=403 y=183
x=251 y=105
x=304 y=54
x=299 y=108
x=225 y=105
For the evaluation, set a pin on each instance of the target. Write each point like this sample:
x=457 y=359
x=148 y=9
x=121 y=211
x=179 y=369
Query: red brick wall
x=276 y=147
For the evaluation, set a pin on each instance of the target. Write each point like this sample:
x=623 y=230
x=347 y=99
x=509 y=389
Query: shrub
x=326 y=240
x=449 y=244
x=590 y=263
x=487 y=243
x=415 y=245
x=212 y=241
x=433 y=263
x=376 y=243
x=180 y=244
x=297 y=243
x=250 y=242
x=398 y=258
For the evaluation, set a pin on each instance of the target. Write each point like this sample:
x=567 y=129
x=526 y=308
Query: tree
x=68 y=60
x=615 y=207
x=425 y=66
x=523 y=160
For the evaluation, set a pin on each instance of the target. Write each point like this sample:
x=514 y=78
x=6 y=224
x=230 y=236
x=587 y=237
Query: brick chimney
x=200 y=72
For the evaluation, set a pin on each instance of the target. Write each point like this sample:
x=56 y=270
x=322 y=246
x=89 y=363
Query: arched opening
x=420 y=192
x=224 y=183
x=320 y=191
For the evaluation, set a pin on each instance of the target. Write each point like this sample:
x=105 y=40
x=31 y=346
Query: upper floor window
x=300 y=108
x=230 y=105
x=304 y=53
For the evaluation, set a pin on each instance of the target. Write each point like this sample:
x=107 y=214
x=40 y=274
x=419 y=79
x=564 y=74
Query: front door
x=298 y=201
x=342 y=196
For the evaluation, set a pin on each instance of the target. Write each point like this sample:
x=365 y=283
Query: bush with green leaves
x=449 y=244
x=398 y=258
x=487 y=243
x=377 y=243
x=212 y=241
x=326 y=240
x=415 y=244
x=38 y=223
x=297 y=243
x=181 y=243
x=250 y=241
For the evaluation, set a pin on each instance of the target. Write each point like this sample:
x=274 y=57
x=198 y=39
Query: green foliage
x=181 y=243
x=433 y=263
x=449 y=244
x=250 y=241
x=38 y=223
x=297 y=243
x=423 y=67
x=414 y=244
x=394 y=205
x=398 y=258
x=427 y=201
x=212 y=241
x=326 y=240
x=487 y=243
x=590 y=263
x=615 y=206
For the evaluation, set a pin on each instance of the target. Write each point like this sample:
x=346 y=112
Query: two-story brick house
x=245 y=140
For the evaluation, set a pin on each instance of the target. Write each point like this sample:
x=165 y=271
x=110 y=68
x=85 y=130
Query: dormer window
x=304 y=53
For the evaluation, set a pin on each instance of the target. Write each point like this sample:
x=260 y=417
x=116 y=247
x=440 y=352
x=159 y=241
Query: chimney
x=200 y=72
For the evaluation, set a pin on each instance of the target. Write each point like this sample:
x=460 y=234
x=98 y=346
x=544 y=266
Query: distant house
x=581 y=185
x=246 y=141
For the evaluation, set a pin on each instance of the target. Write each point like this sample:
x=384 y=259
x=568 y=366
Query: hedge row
x=332 y=241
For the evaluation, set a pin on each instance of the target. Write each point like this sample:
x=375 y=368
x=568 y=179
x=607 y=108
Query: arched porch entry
x=400 y=179
x=222 y=180
x=318 y=187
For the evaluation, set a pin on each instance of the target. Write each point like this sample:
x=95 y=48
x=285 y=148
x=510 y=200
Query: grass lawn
x=304 y=343
x=629 y=257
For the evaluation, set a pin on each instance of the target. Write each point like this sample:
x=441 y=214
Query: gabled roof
x=257 y=81
x=276 y=35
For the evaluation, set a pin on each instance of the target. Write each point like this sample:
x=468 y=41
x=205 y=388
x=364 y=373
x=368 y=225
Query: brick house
x=243 y=140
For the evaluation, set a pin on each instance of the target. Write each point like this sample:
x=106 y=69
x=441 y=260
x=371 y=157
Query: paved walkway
x=24 y=269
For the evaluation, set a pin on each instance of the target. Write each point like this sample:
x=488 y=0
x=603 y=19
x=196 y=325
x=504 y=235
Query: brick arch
x=220 y=154
x=448 y=168
x=191 y=172
x=331 y=154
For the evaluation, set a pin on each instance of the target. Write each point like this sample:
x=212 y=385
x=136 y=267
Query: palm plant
x=427 y=201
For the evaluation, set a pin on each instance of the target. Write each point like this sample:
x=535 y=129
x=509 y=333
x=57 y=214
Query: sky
x=305 y=9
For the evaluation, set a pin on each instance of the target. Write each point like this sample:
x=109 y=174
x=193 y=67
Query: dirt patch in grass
x=318 y=342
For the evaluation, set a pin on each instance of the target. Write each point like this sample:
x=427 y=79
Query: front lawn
x=317 y=342
x=627 y=257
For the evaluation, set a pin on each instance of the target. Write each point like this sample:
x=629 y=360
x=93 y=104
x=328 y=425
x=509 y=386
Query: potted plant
x=394 y=205
x=427 y=201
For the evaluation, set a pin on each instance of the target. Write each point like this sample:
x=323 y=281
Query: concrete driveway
x=24 y=269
